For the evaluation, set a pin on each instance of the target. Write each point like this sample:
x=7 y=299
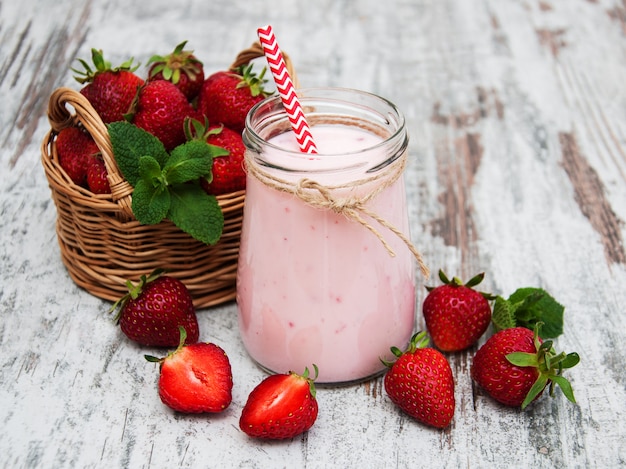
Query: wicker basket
x=102 y=244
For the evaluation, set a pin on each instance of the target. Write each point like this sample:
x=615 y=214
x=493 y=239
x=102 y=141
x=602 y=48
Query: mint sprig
x=166 y=185
x=529 y=307
x=129 y=144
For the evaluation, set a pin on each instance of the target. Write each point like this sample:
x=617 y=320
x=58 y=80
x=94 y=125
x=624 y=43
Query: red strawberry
x=180 y=67
x=154 y=309
x=161 y=109
x=226 y=97
x=456 y=315
x=75 y=148
x=420 y=382
x=281 y=406
x=109 y=90
x=195 y=378
x=97 y=180
x=228 y=173
x=514 y=367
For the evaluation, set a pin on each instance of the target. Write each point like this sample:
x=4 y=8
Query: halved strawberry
x=281 y=406
x=195 y=378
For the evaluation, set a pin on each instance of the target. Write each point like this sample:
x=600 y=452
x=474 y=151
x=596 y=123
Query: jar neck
x=334 y=107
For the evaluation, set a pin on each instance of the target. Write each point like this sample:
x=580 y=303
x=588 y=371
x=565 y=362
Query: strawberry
x=161 y=109
x=228 y=172
x=97 y=180
x=456 y=315
x=420 y=382
x=281 y=406
x=180 y=67
x=195 y=378
x=110 y=90
x=226 y=97
x=75 y=148
x=514 y=367
x=153 y=310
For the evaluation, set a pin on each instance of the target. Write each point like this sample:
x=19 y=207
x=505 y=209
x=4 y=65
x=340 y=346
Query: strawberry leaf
x=196 y=213
x=523 y=359
x=539 y=386
x=565 y=386
x=571 y=360
x=129 y=144
x=150 y=204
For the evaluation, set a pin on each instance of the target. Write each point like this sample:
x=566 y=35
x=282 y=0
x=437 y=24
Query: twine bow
x=352 y=207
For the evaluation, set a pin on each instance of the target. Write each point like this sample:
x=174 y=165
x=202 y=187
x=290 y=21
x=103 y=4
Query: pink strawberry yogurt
x=313 y=286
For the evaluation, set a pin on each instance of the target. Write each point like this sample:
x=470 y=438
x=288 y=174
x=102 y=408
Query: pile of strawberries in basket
x=174 y=102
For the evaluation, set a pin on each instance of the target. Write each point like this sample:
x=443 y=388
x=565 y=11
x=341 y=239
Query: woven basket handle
x=60 y=117
x=255 y=51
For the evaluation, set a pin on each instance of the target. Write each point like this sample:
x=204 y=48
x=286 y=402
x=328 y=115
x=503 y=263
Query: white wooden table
x=517 y=116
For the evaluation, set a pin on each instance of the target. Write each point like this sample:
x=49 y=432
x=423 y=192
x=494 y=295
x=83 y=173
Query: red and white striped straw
x=286 y=90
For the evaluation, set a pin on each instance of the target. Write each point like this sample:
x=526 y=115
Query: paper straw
x=286 y=90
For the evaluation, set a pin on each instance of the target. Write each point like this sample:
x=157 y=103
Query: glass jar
x=326 y=272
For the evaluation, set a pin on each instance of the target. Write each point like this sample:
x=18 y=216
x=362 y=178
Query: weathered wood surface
x=517 y=116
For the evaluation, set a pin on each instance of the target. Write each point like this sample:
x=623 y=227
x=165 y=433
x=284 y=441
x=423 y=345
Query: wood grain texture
x=517 y=115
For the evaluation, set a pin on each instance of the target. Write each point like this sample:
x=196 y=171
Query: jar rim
x=390 y=119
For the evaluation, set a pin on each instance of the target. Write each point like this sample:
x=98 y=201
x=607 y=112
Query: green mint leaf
x=191 y=161
x=502 y=316
x=534 y=305
x=150 y=204
x=196 y=213
x=129 y=144
x=150 y=171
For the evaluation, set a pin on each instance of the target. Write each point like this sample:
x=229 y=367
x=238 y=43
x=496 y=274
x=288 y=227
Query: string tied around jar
x=353 y=207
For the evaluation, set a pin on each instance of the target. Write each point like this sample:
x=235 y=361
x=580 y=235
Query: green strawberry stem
x=456 y=281
x=181 y=344
x=134 y=290
x=252 y=81
x=171 y=65
x=101 y=65
x=550 y=366
x=418 y=340
x=309 y=380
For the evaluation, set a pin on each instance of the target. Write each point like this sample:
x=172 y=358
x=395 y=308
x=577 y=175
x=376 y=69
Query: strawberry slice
x=281 y=406
x=195 y=378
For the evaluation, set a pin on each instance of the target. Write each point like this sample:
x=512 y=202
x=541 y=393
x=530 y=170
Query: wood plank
x=518 y=161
